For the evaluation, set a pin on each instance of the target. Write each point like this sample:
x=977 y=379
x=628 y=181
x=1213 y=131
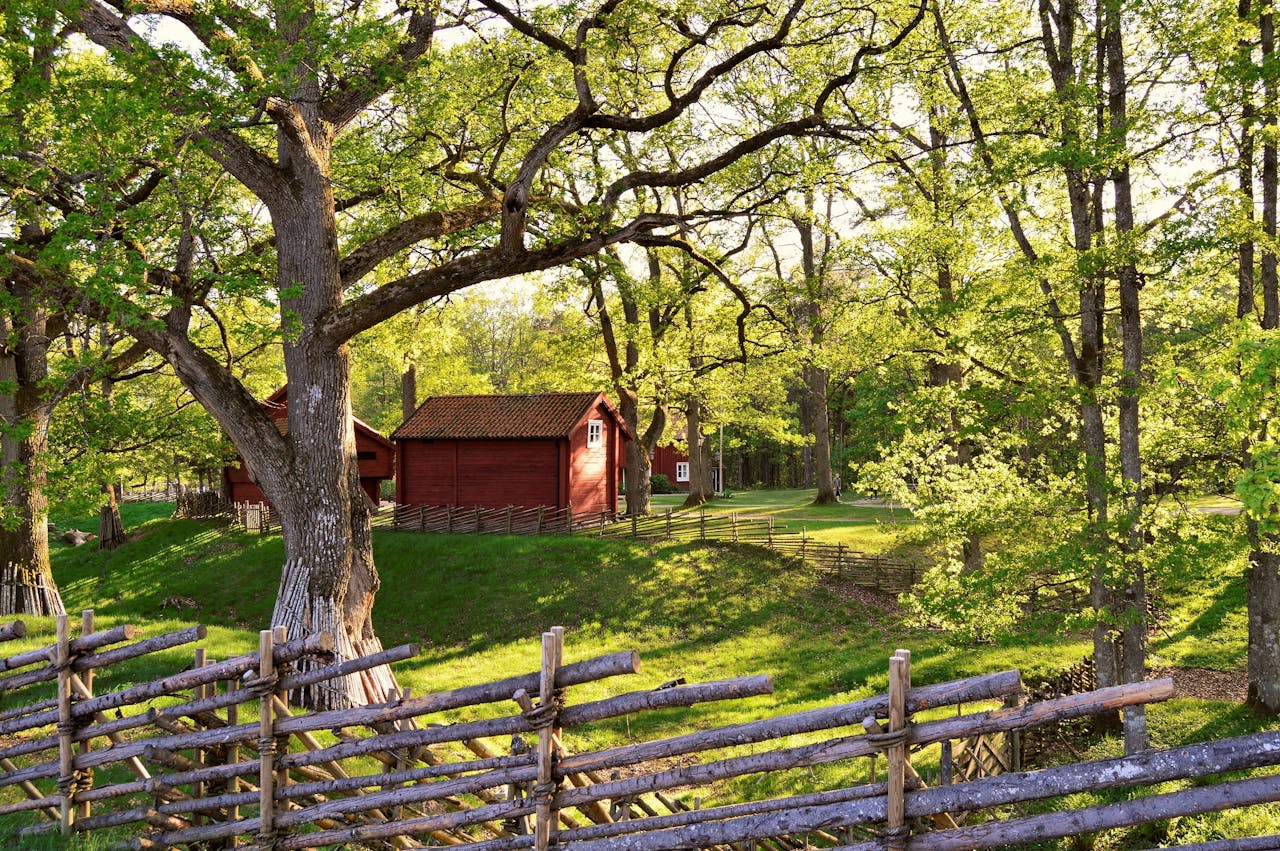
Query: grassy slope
x=477 y=605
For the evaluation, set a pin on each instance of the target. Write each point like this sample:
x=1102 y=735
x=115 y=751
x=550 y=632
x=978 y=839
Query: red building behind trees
x=542 y=449
x=375 y=455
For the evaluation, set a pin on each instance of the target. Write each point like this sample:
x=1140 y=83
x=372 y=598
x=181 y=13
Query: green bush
x=658 y=483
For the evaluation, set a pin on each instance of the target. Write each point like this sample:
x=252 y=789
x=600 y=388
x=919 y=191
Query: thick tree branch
x=363 y=313
x=357 y=92
x=400 y=236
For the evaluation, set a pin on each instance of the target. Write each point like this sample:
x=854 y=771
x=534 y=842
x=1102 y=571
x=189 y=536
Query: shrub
x=658 y=483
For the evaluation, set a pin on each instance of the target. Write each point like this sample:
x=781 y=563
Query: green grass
x=477 y=605
x=857 y=523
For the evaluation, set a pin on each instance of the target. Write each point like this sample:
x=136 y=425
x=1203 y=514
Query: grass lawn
x=858 y=523
x=477 y=604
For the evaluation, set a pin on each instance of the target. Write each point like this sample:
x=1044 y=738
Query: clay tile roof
x=534 y=415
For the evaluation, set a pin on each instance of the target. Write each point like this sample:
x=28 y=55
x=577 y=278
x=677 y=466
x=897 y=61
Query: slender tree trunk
x=408 y=391
x=820 y=418
x=1263 y=579
x=1134 y=630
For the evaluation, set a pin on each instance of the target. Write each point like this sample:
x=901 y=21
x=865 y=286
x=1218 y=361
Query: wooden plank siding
x=471 y=473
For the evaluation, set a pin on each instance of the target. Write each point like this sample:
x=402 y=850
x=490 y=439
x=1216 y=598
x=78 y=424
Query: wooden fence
x=214 y=754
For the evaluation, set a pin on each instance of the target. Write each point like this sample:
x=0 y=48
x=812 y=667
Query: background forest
x=1010 y=264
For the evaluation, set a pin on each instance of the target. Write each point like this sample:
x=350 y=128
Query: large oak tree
x=364 y=139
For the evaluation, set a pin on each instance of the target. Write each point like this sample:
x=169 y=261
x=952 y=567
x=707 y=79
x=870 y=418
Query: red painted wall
x=240 y=486
x=664 y=462
x=240 y=489
x=484 y=473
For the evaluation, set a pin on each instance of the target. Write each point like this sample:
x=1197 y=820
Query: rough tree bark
x=1134 y=616
x=26 y=579
x=1263 y=575
x=310 y=475
x=408 y=391
x=699 y=468
x=817 y=467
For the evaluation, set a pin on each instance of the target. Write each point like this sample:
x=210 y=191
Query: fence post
x=804 y=539
x=509 y=510
x=634 y=533
x=544 y=792
x=479 y=525
x=896 y=830
x=266 y=741
x=66 y=756
x=541 y=510
x=668 y=524
x=197 y=755
x=770 y=531
x=702 y=524
x=568 y=525
x=840 y=561
x=733 y=525
x=86 y=679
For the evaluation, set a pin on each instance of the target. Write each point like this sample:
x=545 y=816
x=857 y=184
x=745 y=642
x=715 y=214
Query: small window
x=595 y=433
x=682 y=471
x=366 y=455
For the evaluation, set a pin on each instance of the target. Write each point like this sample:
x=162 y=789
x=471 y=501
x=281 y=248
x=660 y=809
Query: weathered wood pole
x=899 y=683
x=66 y=756
x=86 y=628
x=545 y=816
x=266 y=740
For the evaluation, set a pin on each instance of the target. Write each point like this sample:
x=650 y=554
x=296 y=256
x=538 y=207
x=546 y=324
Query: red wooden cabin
x=552 y=449
x=374 y=453
x=672 y=463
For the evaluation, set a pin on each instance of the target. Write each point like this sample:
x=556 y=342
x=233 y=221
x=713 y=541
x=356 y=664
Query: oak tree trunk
x=110 y=526
x=26 y=578
x=699 y=469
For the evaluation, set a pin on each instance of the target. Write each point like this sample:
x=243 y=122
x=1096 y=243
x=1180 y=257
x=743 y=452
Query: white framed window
x=595 y=433
x=682 y=471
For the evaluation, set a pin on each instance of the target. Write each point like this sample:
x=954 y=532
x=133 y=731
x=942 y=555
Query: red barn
x=374 y=453
x=552 y=449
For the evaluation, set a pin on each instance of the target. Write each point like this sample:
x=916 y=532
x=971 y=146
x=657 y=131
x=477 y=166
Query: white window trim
x=682 y=471
x=596 y=439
